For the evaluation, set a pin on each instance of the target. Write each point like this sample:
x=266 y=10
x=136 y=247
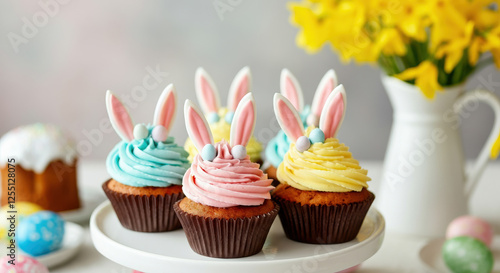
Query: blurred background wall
x=58 y=58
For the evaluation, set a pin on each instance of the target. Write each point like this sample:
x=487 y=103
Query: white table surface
x=397 y=254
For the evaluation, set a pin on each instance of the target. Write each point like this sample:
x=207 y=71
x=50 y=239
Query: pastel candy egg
x=303 y=144
x=40 y=233
x=317 y=135
x=23 y=209
x=213 y=117
x=229 y=117
x=471 y=226
x=140 y=132
x=239 y=152
x=208 y=152
x=467 y=255
x=350 y=269
x=159 y=133
x=23 y=264
x=312 y=120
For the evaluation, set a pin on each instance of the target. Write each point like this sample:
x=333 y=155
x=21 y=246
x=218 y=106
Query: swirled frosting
x=144 y=162
x=278 y=146
x=222 y=130
x=225 y=181
x=327 y=167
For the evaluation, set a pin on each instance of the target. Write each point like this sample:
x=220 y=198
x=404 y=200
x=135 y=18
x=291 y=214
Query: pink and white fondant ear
x=243 y=122
x=290 y=88
x=197 y=126
x=325 y=87
x=165 y=108
x=119 y=117
x=333 y=112
x=239 y=88
x=207 y=93
x=288 y=117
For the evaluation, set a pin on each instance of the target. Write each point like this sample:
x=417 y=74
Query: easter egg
x=22 y=264
x=239 y=152
x=213 y=117
x=317 y=136
x=40 y=233
x=302 y=144
x=140 y=132
x=23 y=210
x=159 y=133
x=208 y=152
x=471 y=226
x=229 y=117
x=465 y=254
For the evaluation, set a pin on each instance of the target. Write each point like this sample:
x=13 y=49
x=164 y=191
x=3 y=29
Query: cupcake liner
x=226 y=238
x=145 y=213
x=322 y=224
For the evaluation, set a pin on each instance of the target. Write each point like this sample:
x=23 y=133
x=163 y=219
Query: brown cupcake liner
x=145 y=213
x=226 y=238
x=322 y=224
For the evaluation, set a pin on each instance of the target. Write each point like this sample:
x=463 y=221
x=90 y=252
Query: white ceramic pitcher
x=424 y=182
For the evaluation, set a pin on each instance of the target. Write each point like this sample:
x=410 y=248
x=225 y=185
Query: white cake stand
x=170 y=251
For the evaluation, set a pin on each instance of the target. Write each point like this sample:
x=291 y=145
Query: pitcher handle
x=487 y=151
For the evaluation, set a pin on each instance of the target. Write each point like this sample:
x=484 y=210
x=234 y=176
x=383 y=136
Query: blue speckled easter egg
x=465 y=254
x=41 y=233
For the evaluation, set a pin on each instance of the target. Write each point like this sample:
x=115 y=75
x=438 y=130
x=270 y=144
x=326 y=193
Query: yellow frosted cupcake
x=323 y=190
x=220 y=118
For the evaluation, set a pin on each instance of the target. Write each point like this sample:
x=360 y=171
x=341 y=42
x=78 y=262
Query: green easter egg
x=467 y=255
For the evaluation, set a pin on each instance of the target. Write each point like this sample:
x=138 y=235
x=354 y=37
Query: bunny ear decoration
x=197 y=126
x=243 y=122
x=239 y=88
x=288 y=117
x=207 y=93
x=290 y=88
x=165 y=108
x=325 y=87
x=119 y=117
x=333 y=112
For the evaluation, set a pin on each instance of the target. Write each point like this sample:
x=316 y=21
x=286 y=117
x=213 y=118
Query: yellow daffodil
x=390 y=42
x=454 y=49
x=402 y=36
x=312 y=35
x=426 y=78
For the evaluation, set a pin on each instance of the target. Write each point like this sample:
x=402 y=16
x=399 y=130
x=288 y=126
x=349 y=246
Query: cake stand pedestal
x=170 y=251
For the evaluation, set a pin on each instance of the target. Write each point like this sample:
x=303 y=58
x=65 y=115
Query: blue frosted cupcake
x=146 y=168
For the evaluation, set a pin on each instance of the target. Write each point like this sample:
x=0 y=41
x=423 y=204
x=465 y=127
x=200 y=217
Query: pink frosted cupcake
x=227 y=212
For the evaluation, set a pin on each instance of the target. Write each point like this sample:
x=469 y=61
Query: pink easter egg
x=22 y=264
x=136 y=271
x=471 y=226
x=159 y=133
x=350 y=269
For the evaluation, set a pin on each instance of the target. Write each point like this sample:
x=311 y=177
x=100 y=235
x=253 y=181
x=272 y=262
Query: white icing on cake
x=35 y=146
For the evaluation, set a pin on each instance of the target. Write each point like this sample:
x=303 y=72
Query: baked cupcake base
x=144 y=209
x=320 y=217
x=271 y=173
x=226 y=232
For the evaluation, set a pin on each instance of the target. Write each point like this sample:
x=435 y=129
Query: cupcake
x=323 y=191
x=227 y=212
x=146 y=167
x=43 y=160
x=278 y=146
x=220 y=118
